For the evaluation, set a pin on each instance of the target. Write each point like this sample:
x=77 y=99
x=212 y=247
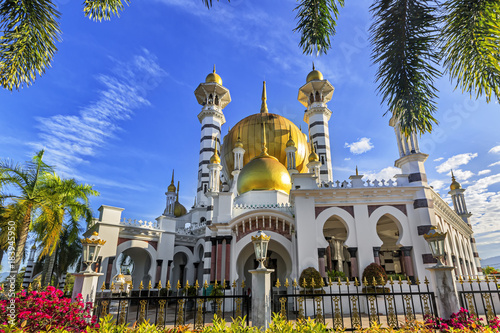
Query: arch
x=243 y=250
x=188 y=274
x=145 y=246
x=344 y=217
x=398 y=217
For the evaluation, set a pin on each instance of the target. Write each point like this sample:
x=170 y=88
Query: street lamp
x=91 y=248
x=260 y=242
x=435 y=238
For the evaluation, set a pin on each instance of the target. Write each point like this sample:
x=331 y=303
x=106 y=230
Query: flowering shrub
x=462 y=321
x=46 y=310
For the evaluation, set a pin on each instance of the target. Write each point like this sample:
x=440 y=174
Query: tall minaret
x=458 y=198
x=314 y=95
x=314 y=165
x=213 y=97
x=239 y=153
x=170 y=194
x=214 y=169
x=290 y=151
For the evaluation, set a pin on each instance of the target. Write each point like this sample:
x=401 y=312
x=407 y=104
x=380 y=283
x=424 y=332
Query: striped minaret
x=314 y=95
x=213 y=97
x=457 y=196
x=30 y=266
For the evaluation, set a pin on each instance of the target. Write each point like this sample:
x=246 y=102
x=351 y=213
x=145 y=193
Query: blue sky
x=117 y=108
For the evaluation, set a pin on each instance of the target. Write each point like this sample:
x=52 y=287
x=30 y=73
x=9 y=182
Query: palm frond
x=403 y=37
x=99 y=10
x=472 y=46
x=316 y=24
x=30 y=31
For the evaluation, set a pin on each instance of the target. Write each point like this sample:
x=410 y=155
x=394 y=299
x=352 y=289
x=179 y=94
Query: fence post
x=261 y=297
x=446 y=290
x=86 y=284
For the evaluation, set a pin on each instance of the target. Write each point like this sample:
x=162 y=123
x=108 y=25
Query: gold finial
x=454 y=184
x=263 y=107
x=234 y=285
x=243 y=284
x=215 y=159
x=171 y=187
x=278 y=284
x=196 y=285
x=357 y=173
x=159 y=284
x=286 y=283
x=205 y=285
x=168 y=285
x=214 y=68
x=313 y=67
x=149 y=285
x=178 y=188
x=141 y=286
x=264 y=147
x=112 y=287
x=102 y=288
x=179 y=285
x=187 y=284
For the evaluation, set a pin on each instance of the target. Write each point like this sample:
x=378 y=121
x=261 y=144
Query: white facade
x=326 y=224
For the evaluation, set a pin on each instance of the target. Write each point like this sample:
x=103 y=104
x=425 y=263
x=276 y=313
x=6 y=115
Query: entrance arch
x=143 y=255
x=337 y=259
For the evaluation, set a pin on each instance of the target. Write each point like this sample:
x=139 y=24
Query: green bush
x=309 y=274
x=335 y=275
x=376 y=271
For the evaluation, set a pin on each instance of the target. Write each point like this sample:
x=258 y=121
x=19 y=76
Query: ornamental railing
x=193 y=306
x=349 y=305
x=480 y=296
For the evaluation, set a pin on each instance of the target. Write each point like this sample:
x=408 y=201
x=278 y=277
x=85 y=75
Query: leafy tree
x=410 y=39
x=26 y=182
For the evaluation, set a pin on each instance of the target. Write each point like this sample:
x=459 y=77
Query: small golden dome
x=454 y=184
x=290 y=143
x=313 y=157
x=238 y=143
x=314 y=75
x=215 y=159
x=213 y=77
x=171 y=187
x=264 y=172
x=179 y=209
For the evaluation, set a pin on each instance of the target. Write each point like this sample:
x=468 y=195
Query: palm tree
x=27 y=197
x=68 y=254
x=66 y=200
x=409 y=37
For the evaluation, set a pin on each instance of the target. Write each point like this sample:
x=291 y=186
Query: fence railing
x=351 y=305
x=188 y=305
x=480 y=296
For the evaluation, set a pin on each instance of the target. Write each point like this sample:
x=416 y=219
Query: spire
x=171 y=187
x=264 y=148
x=215 y=159
x=263 y=107
x=357 y=173
x=214 y=68
x=313 y=67
x=178 y=188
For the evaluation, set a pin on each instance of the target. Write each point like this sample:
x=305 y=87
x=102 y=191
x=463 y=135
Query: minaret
x=314 y=95
x=238 y=153
x=290 y=151
x=169 y=208
x=457 y=196
x=314 y=165
x=214 y=169
x=214 y=98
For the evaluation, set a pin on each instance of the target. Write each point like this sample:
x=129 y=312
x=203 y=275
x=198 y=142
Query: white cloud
x=462 y=175
x=495 y=150
x=437 y=184
x=386 y=173
x=69 y=139
x=359 y=147
x=347 y=159
x=483 y=172
x=455 y=161
x=494 y=164
x=439 y=159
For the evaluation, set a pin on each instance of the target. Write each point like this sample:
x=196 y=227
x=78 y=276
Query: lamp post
x=260 y=243
x=91 y=248
x=261 y=283
x=86 y=280
x=443 y=276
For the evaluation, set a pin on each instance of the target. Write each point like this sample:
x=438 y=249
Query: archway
x=337 y=256
x=179 y=270
x=389 y=254
x=135 y=264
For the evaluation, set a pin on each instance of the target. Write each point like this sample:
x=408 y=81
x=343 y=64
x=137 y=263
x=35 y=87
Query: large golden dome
x=264 y=172
x=249 y=130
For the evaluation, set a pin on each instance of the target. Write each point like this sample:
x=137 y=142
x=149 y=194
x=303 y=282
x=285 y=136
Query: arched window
x=318 y=99
x=311 y=98
x=216 y=100
x=210 y=99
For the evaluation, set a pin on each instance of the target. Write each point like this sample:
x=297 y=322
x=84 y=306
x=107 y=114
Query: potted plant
x=310 y=280
x=375 y=276
x=216 y=291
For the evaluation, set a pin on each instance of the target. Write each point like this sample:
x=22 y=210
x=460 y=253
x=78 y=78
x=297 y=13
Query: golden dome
x=264 y=172
x=213 y=77
x=179 y=209
x=313 y=157
x=314 y=75
x=171 y=187
x=249 y=130
x=454 y=184
x=239 y=143
x=290 y=143
x=215 y=159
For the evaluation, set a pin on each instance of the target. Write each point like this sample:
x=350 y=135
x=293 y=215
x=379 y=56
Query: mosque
x=266 y=174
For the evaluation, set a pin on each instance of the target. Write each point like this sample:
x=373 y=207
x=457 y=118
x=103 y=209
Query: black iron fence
x=188 y=305
x=349 y=305
x=480 y=296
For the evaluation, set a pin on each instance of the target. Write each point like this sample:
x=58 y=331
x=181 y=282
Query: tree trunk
x=23 y=235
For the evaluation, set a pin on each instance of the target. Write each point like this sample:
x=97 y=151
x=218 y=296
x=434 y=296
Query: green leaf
x=99 y=10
